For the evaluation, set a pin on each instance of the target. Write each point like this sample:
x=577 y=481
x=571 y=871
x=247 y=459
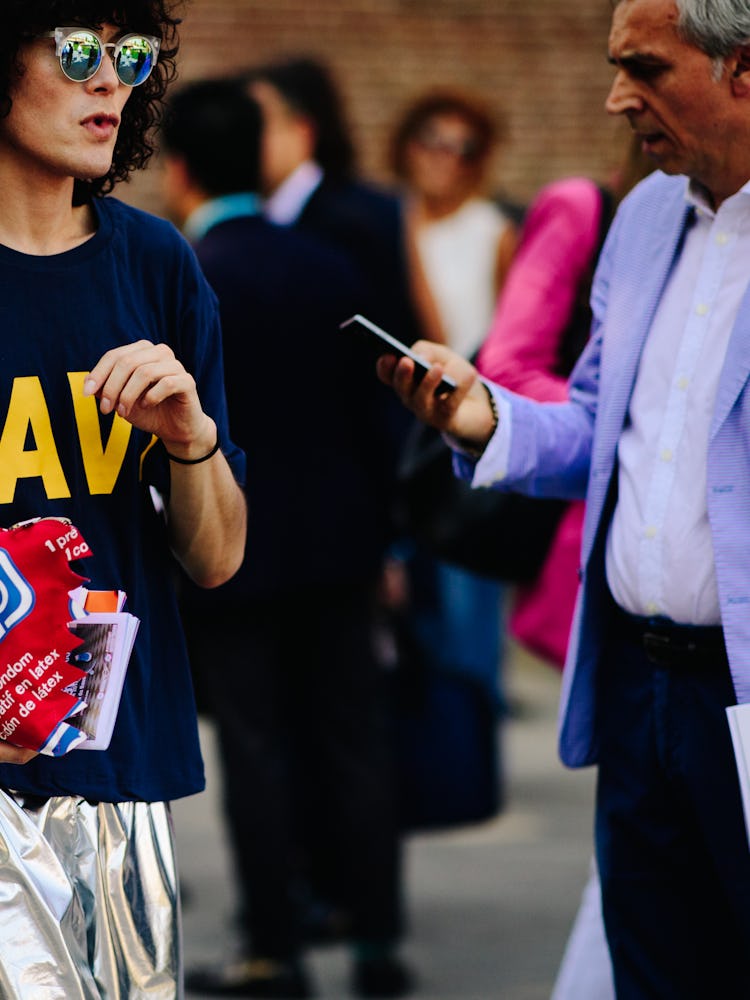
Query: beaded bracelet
x=194 y=461
x=474 y=450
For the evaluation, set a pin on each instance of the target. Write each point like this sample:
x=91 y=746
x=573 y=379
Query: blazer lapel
x=633 y=313
x=638 y=284
x=736 y=368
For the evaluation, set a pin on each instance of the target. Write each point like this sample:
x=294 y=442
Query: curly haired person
x=112 y=395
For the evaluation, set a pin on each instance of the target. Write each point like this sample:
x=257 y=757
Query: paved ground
x=490 y=906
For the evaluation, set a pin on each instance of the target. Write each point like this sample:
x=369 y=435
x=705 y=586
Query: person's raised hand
x=146 y=385
x=466 y=413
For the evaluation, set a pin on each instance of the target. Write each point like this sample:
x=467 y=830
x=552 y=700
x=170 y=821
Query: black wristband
x=194 y=461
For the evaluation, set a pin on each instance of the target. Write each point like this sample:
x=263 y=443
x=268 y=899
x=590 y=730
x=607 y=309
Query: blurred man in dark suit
x=309 y=180
x=285 y=653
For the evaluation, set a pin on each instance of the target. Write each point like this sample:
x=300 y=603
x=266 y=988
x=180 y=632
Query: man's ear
x=739 y=67
x=178 y=189
x=176 y=169
x=309 y=135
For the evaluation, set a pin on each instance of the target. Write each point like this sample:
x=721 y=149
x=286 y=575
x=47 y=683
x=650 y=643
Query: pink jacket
x=558 y=240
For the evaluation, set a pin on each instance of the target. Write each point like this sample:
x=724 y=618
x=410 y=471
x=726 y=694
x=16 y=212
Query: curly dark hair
x=23 y=20
x=489 y=127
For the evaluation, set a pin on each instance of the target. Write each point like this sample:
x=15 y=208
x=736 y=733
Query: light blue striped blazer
x=570 y=449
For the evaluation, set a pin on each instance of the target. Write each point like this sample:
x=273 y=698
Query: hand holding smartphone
x=381 y=342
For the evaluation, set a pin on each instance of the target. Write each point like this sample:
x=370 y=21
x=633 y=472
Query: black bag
x=501 y=535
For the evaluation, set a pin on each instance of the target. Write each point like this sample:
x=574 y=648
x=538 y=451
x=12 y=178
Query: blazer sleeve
x=544 y=448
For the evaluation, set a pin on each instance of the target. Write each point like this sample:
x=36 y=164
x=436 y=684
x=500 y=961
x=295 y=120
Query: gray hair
x=716 y=27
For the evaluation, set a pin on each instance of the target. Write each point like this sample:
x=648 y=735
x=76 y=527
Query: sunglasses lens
x=80 y=56
x=135 y=60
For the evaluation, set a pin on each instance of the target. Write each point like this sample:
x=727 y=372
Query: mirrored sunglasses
x=80 y=51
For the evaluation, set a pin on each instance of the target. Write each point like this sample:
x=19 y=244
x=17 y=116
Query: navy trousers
x=671 y=842
x=297 y=696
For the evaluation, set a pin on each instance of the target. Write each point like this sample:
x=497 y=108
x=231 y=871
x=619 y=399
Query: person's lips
x=650 y=139
x=102 y=125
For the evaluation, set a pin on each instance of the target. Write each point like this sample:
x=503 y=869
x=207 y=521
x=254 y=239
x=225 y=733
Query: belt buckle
x=659 y=648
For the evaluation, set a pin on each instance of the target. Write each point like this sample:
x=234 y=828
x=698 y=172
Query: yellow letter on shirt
x=101 y=463
x=27 y=411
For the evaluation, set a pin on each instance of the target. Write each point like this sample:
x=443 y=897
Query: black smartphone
x=383 y=343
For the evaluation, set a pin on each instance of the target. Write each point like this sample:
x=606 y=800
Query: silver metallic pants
x=89 y=903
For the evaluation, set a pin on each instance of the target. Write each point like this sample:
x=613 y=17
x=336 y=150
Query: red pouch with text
x=35 y=581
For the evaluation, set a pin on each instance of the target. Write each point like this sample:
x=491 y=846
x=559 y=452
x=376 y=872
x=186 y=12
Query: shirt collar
x=697 y=196
x=285 y=205
x=216 y=210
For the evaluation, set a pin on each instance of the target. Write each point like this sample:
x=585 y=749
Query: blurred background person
x=441 y=152
x=541 y=324
x=309 y=180
x=285 y=653
x=460 y=246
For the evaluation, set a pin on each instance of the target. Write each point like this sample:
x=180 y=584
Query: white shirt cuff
x=492 y=468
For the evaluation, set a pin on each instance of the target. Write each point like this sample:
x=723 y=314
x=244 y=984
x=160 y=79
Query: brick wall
x=542 y=61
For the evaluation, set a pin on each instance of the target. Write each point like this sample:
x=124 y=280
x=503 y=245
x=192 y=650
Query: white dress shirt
x=659 y=556
x=285 y=205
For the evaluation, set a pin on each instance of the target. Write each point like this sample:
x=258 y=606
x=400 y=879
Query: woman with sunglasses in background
x=99 y=302
x=460 y=244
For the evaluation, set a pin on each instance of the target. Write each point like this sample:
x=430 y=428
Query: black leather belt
x=670 y=645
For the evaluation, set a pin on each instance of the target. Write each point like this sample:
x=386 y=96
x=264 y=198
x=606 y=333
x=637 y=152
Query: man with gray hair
x=656 y=436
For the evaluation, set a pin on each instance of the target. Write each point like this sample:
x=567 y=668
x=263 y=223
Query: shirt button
x=722 y=239
x=683 y=382
x=701 y=309
x=666 y=455
x=650 y=531
x=652 y=608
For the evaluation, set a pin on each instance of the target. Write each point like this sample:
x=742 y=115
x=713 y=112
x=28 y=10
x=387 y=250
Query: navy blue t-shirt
x=136 y=278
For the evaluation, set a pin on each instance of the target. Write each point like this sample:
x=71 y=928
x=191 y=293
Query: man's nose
x=623 y=96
